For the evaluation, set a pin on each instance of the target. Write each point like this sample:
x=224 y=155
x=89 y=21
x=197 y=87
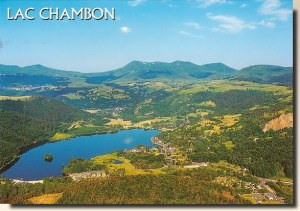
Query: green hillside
x=27 y=123
x=36 y=70
x=38 y=79
x=157 y=71
x=266 y=74
x=210 y=114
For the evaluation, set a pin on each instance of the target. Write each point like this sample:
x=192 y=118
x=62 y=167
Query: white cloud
x=230 y=23
x=190 y=34
x=268 y=24
x=273 y=8
x=135 y=3
x=244 y=5
x=193 y=24
x=207 y=3
x=125 y=29
x=168 y=3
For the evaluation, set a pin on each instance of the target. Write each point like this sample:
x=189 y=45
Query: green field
x=108 y=161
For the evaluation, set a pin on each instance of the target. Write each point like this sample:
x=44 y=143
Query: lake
x=32 y=165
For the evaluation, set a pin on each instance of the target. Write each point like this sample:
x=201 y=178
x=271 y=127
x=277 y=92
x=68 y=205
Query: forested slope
x=25 y=123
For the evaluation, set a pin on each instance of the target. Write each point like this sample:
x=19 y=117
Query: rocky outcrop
x=283 y=121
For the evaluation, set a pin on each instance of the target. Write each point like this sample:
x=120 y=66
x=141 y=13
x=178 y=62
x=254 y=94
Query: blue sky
x=236 y=32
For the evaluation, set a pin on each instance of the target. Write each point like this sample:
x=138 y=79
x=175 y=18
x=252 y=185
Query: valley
x=223 y=132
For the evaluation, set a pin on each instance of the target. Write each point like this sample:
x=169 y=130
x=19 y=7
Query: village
x=257 y=193
x=173 y=156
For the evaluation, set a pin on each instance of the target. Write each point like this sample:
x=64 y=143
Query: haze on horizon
x=236 y=33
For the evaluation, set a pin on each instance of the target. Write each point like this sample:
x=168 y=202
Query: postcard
x=147 y=102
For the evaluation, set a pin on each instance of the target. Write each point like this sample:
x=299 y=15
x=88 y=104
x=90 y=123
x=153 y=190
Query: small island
x=48 y=157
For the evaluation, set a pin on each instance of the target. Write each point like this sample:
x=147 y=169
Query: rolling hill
x=206 y=113
x=37 y=69
x=266 y=74
x=175 y=71
x=131 y=84
x=137 y=71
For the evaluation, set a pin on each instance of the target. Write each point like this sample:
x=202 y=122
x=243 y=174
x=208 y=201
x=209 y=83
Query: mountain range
x=137 y=71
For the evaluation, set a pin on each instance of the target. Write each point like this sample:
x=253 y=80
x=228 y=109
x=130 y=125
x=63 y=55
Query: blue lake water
x=32 y=165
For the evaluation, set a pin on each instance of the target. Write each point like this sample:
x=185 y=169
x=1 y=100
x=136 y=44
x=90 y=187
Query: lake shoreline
x=6 y=166
x=11 y=163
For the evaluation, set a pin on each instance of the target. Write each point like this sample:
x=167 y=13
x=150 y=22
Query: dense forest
x=174 y=187
x=143 y=160
x=81 y=165
x=27 y=123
